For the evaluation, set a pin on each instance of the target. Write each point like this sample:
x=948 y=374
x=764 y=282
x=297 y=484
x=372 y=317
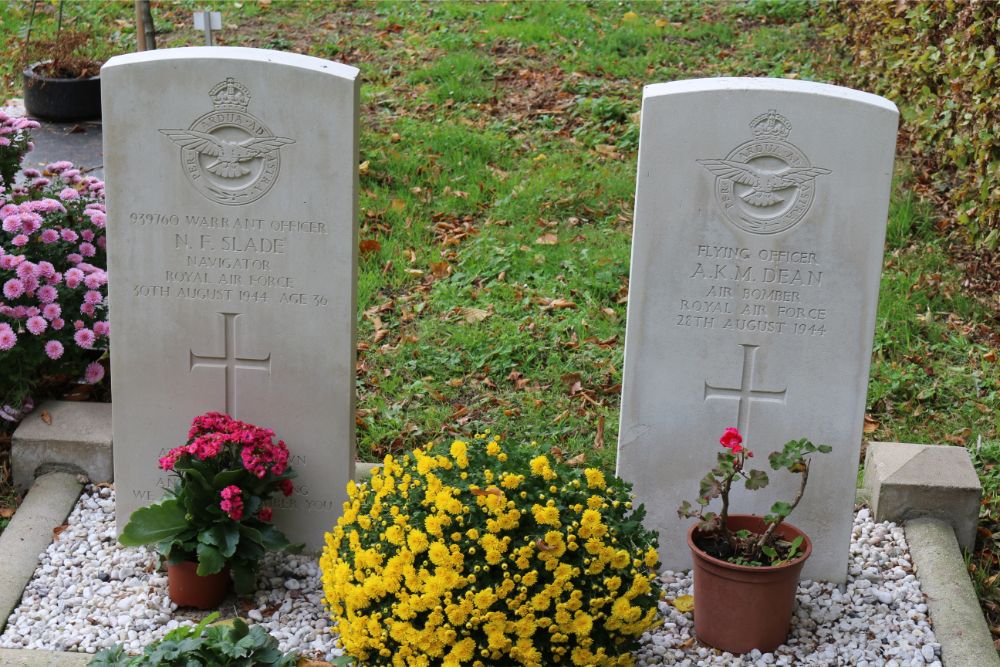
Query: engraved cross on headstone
x=230 y=361
x=745 y=394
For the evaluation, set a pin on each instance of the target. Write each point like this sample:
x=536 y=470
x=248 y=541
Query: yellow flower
x=540 y=467
x=595 y=478
x=546 y=516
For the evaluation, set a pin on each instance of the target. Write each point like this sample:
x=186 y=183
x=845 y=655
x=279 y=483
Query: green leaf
x=210 y=560
x=770 y=552
x=161 y=521
x=244 y=577
x=225 y=536
x=757 y=479
x=781 y=508
x=273 y=539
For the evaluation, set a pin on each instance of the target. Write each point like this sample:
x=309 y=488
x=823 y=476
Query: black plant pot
x=61 y=99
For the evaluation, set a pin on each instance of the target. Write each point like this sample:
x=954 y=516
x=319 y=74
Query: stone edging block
x=958 y=621
x=29 y=534
x=73 y=436
x=24 y=658
x=907 y=481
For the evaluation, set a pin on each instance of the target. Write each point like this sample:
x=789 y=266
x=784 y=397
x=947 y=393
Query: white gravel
x=89 y=593
x=878 y=619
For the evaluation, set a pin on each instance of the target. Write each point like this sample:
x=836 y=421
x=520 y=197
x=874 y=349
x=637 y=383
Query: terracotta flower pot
x=188 y=589
x=739 y=608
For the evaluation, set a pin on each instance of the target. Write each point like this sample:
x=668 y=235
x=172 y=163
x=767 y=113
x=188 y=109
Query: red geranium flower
x=731 y=439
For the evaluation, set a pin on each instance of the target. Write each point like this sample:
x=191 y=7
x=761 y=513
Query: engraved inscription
x=228 y=155
x=765 y=185
x=745 y=394
x=756 y=290
x=230 y=361
x=238 y=260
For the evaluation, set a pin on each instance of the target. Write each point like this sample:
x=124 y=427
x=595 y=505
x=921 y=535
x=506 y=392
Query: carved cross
x=745 y=394
x=230 y=361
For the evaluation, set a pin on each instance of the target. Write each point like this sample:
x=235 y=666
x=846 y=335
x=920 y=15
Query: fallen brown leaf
x=599 y=437
x=870 y=425
x=474 y=314
x=46 y=417
x=547 y=239
x=6 y=512
x=577 y=460
x=58 y=530
x=367 y=246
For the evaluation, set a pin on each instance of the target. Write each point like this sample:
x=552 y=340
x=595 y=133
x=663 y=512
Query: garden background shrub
x=938 y=61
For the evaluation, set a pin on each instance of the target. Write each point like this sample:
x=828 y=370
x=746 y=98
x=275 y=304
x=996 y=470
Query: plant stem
x=774 y=526
x=724 y=515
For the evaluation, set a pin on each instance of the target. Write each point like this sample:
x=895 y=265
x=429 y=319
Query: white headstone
x=232 y=237
x=760 y=218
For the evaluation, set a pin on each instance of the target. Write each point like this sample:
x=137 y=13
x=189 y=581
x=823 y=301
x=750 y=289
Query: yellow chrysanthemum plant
x=490 y=553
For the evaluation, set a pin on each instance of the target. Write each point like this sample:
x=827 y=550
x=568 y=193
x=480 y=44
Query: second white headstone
x=760 y=219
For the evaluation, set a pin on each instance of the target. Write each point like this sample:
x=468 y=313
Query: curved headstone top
x=192 y=54
x=738 y=84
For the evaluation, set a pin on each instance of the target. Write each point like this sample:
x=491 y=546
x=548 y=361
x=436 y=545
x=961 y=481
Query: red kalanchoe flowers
x=232 y=502
x=286 y=487
x=265 y=514
x=731 y=439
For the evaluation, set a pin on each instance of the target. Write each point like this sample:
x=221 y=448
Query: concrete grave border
x=954 y=610
x=933 y=491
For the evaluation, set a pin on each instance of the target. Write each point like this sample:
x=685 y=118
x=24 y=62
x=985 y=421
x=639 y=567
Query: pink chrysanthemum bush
x=215 y=513
x=53 y=283
x=489 y=553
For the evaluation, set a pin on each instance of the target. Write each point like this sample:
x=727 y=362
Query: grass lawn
x=498 y=154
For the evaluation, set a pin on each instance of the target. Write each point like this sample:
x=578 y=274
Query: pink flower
x=13 y=288
x=11 y=224
x=286 y=487
x=94 y=373
x=73 y=278
x=87 y=309
x=232 y=502
x=37 y=325
x=93 y=297
x=95 y=280
x=74 y=258
x=84 y=338
x=56 y=167
x=51 y=311
x=45 y=270
x=50 y=236
x=58 y=323
x=265 y=514
x=19 y=241
x=26 y=270
x=88 y=249
x=69 y=235
x=7 y=336
x=47 y=294
x=101 y=328
x=87 y=235
x=731 y=439
x=54 y=349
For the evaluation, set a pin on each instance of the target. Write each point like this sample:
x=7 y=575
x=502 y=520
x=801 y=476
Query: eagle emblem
x=229 y=155
x=765 y=185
